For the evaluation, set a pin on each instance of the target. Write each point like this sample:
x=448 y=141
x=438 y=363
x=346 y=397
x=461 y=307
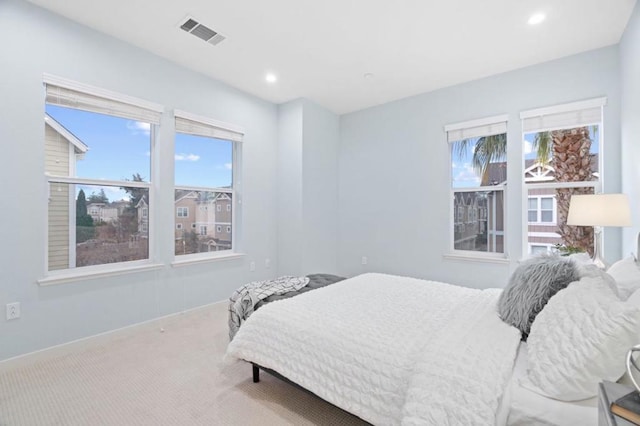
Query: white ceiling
x=321 y=50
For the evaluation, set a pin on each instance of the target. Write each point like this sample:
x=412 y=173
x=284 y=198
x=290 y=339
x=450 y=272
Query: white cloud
x=228 y=166
x=138 y=127
x=187 y=157
x=528 y=147
x=466 y=174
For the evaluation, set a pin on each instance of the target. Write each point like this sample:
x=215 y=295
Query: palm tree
x=571 y=162
x=567 y=151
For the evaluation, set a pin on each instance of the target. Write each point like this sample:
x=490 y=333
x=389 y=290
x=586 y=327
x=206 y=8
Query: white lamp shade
x=599 y=210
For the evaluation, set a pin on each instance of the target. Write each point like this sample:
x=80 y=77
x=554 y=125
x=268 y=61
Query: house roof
x=80 y=147
x=533 y=171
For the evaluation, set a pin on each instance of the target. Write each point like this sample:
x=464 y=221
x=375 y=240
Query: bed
x=403 y=351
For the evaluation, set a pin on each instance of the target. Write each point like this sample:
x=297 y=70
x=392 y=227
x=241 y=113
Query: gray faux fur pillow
x=531 y=286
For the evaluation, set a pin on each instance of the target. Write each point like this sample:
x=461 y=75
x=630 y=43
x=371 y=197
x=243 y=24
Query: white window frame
x=228 y=229
x=69 y=93
x=563 y=116
x=203 y=230
x=539 y=210
x=466 y=130
x=219 y=229
x=190 y=123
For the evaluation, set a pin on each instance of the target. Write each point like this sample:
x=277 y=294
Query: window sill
x=472 y=258
x=193 y=260
x=75 y=275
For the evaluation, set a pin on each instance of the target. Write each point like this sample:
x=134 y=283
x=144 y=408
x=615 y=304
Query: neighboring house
x=142 y=209
x=475 y=221
x=208 y=215
x=62 y=151
x=106 y=212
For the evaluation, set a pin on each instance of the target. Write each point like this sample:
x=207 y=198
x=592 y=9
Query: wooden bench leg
x=256 y=373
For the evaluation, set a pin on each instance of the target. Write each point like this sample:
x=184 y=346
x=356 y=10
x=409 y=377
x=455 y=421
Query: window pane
x=571 y=155
x=203 y=231
x=533 y=204
x=558 y=233
x=95 y=146
x=490 y=154
x=203 y=162
x=533 y=216
x=547 y=203
x=95 y=225
x=482 y=229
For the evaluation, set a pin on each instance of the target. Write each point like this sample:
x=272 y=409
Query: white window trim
x=235 y=192
x=108 y=269
x=182 y=209
x=488 y=126
x=596 y=185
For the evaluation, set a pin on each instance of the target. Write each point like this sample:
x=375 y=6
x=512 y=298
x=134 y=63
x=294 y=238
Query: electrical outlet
x=365 y=260
x=267 y=263
x=252 y=266
x=13 y=311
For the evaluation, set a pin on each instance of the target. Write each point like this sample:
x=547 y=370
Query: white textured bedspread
x=391 y=350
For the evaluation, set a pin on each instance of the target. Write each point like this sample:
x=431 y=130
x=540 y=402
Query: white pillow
x=579 y=339
x=626 y=272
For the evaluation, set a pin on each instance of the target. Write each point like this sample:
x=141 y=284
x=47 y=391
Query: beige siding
x=57 y=163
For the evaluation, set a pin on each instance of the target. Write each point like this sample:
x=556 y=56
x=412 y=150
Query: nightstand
x=612 y=391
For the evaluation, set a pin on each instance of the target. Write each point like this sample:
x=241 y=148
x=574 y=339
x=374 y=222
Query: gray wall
x=393 y=167
x=43 y=42
x=307 y=188
x=630 y=82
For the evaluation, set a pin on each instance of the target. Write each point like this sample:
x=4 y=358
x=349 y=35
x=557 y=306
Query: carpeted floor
x=141 y=376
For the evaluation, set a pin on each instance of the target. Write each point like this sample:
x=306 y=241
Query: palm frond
x=489 y=149
x=543 y=144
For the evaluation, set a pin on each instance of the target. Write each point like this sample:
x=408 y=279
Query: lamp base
x=597 y=258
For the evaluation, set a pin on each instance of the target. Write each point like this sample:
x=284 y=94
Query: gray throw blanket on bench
x=245 y=298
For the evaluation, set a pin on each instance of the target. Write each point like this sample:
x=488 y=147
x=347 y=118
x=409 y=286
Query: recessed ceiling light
x=536 y=18
x=271 y=78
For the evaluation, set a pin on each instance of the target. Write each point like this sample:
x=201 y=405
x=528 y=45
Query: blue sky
x=119 y=148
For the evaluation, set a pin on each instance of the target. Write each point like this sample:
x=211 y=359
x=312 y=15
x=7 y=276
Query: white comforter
x=391 y=350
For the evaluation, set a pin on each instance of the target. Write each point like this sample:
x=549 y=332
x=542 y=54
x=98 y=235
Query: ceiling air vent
x=203 y=32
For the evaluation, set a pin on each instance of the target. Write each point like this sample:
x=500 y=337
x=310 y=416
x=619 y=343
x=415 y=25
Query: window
x=478 y=177
x=228 y=229
x=561 y=158
x=178 y=226
x=193 y=226
x=542 y=210
x=218 y=228
x=97 y=151
x=228 y=207
x=182 y=212
x=206 y=157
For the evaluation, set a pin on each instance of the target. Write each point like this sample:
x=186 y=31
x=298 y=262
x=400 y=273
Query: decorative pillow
x=579 y=339
x=591 y=270
x=530 y=287
x=626 y=272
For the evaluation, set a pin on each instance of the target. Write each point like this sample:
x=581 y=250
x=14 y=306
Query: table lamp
x=599 y=210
